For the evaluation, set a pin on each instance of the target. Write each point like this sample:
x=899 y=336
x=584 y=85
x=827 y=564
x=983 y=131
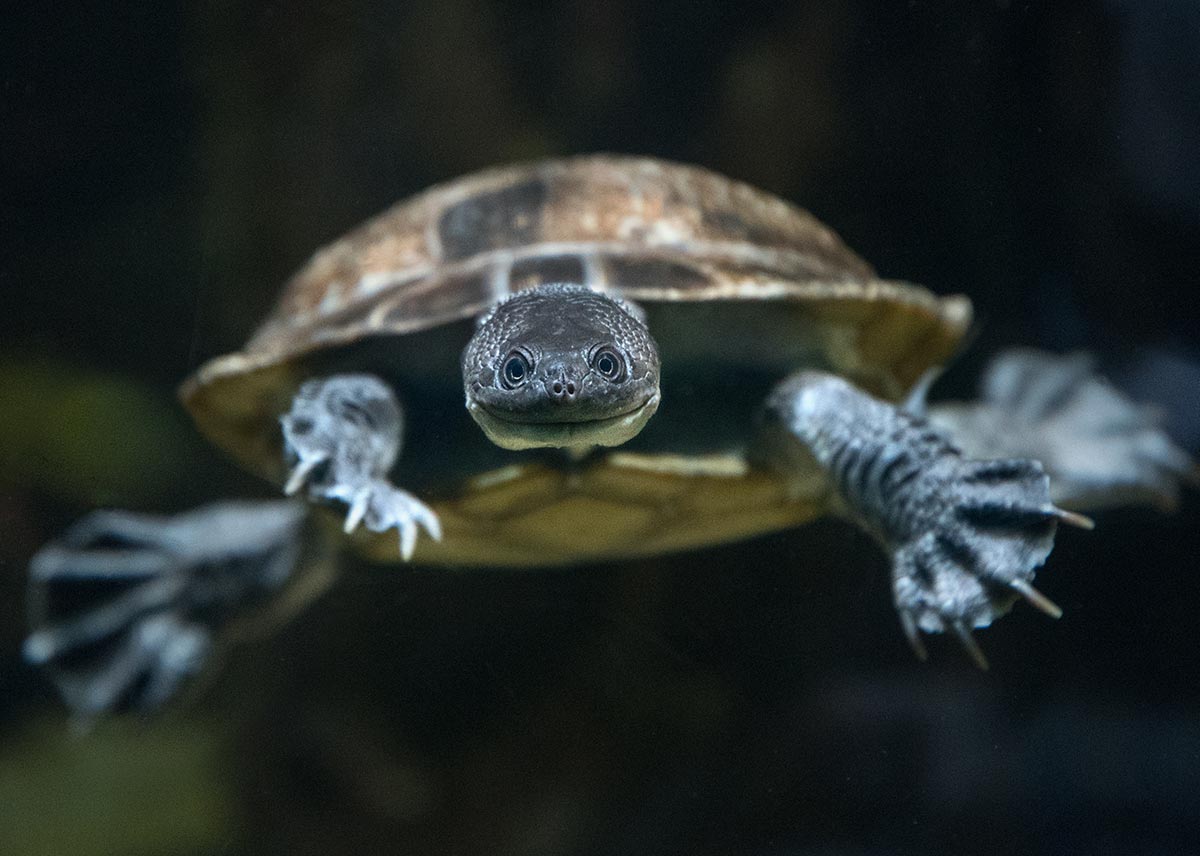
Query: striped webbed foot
x=965 y=537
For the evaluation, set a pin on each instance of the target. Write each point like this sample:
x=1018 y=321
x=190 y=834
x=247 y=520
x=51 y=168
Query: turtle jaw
x=608 y=431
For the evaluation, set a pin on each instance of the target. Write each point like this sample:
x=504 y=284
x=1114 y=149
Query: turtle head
x=561 y=366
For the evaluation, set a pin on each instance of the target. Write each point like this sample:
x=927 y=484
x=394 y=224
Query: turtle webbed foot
x=125 y=607
x=343 y=434
x=965 y=536
x=966 y=565
x=1100 y=448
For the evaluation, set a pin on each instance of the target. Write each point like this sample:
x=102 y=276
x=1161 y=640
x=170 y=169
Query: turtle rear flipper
x=125 y=607
x=1100 y=448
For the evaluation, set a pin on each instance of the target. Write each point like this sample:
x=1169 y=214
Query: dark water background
x=165 y=169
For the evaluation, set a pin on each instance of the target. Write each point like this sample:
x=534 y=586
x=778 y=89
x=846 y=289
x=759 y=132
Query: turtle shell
x=740 y=288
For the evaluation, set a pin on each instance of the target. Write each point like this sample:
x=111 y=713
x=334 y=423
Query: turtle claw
x=301 y=472
x=407 y=514
x=381 y=506
x=1036 y=598
x=358 y=510
x=970 y=645
x=913 y=635
x=1071 y=518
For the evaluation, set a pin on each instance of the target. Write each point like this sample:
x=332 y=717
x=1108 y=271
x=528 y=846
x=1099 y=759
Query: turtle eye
x=516 y=370
x=609 y=364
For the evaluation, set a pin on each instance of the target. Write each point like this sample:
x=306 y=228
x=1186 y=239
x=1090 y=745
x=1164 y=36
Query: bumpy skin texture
x=965 y=536
x=562 y=338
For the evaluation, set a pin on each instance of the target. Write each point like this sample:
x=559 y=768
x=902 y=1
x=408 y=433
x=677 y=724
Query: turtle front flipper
x=1100 y=448
x=965 y=536
x=125 y=607
x=342 y=435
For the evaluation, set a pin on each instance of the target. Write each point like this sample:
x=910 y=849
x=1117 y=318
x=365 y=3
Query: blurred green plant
x=84 y=436
x=126 y=788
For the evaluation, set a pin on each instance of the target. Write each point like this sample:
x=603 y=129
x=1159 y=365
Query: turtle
x=591 y=359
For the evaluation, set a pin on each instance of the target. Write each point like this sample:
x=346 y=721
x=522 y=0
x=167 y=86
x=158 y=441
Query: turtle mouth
x=510 y=430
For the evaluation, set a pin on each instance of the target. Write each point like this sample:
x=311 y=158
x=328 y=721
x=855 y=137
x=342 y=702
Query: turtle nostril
x=562 y=390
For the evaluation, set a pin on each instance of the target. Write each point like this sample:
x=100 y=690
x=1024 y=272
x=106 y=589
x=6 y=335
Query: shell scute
x=508 y=216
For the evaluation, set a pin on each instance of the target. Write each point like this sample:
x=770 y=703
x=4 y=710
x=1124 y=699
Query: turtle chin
x=507 y=433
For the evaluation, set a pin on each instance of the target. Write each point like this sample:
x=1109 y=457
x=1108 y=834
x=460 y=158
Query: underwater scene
x=600 y=428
